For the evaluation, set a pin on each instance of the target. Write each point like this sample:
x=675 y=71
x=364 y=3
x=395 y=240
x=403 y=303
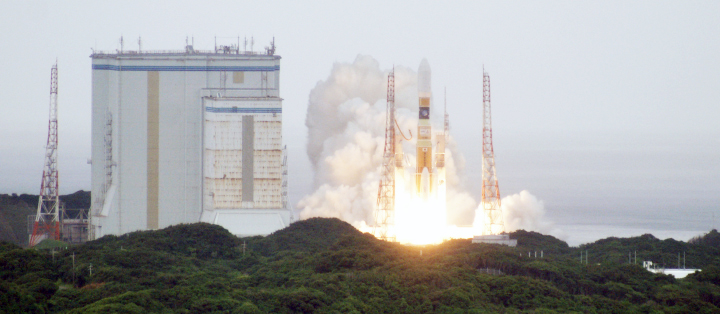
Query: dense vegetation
x=14 y=211
x=327 y=266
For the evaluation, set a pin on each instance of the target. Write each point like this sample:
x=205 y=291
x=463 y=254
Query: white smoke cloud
x=346 y=133
x=524 y=211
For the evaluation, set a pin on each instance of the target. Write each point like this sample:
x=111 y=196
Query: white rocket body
x=424 y=155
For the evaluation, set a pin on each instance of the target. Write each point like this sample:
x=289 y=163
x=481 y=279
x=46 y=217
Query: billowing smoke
x=524 y=211
x=346 y=133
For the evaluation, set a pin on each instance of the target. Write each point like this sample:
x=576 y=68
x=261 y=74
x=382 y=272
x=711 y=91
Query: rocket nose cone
x=424 y=76
x=424 y=66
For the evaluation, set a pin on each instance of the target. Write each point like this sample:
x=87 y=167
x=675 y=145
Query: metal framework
x=385 y=213
x=47 y=218
x=493 y=223
x=74 y=225
x=99 y=199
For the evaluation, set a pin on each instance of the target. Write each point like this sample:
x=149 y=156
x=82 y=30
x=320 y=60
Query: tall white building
x=187 y=136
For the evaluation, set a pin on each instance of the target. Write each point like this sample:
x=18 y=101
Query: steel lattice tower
x=385 y=214
x=47 y=219
x=493 y=223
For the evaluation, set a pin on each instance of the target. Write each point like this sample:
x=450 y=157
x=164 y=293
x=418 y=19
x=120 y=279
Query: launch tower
x=47 y=219
x=493 y=217
x=385 y=214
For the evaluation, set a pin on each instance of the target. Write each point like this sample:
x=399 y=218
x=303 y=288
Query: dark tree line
x=327 y=266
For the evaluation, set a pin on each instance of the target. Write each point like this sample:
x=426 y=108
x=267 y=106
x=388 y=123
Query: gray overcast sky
x=605 y=110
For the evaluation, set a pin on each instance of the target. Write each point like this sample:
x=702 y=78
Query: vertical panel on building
x=242 y=153
x=222 y=157
x=248 y=152
x=153 y=135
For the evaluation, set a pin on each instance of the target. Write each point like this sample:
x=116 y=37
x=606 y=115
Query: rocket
x=424 y=139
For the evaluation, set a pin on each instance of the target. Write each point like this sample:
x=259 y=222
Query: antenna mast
x=493 y=223
x=47 y=219
x=385 y=214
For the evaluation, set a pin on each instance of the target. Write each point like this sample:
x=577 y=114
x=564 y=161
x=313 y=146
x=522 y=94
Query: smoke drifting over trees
x=524 y=211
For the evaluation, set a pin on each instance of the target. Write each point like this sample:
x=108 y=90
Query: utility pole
x=73 y=269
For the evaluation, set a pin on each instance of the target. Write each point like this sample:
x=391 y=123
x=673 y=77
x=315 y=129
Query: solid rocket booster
x=424 y=140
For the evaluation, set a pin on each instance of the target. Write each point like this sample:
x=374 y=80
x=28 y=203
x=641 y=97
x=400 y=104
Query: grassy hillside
x=327 y=266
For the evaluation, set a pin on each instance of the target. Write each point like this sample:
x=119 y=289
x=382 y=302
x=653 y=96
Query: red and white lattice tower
x=493 y=216
x=385 y=213
x=47 y=219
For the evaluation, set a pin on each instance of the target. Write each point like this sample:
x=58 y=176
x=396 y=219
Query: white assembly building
x=188 y=136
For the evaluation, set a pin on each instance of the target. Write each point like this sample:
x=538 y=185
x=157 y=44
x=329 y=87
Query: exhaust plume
x=524 y=211
x=346 y=133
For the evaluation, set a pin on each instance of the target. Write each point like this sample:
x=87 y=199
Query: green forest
x=324 y=265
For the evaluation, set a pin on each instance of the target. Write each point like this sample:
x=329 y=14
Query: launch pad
x=502 y=239
x=417 y=213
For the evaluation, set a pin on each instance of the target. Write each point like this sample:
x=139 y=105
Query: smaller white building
x=678 y=273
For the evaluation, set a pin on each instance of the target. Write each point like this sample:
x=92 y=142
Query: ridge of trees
x=325 y=265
